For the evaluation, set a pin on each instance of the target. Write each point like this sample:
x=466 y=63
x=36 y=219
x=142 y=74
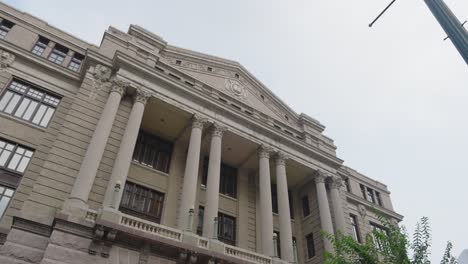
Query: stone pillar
x=189 y=188
x=266 y=211
x=286 y=245
x=212 y=188
x=90 y=164
x=335 y=188
x=124 y=155
x=324 y=209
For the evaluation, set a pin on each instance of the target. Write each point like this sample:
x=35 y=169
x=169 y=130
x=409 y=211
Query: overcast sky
x=394 y=97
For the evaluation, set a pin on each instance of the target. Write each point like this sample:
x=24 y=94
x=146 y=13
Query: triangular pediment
x=232 y=79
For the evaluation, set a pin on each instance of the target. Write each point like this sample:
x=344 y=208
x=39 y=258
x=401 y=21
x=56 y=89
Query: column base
x=110 y=215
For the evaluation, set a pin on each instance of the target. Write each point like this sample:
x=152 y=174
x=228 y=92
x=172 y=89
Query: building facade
x=136 y=151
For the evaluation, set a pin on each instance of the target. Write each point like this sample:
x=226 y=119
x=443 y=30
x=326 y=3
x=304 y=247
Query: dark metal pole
x=381 y=13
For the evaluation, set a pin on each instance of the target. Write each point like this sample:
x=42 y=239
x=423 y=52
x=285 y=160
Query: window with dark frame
x=227 y=181
x=305 y=206
x=354 y=225
x=13 y=157
x=278 y=243
x=6 y=194
x=153 y=152
x=227 y=229
x=348 y=187
x=274 y=201
x=380 y=229
x=142 y=202
x=363 y=191
x=378 y=198
x=5 y=27
x=29 y=103
x=40 y=46
x=310 y=245
x=201 y=213
x=370 y=195
x=75 y=62
x=58 y=54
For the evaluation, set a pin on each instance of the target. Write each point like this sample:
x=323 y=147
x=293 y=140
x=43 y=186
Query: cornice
x=122 y=60
x=358 y=200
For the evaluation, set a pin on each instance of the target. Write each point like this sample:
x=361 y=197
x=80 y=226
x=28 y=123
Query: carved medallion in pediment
x=236 y=88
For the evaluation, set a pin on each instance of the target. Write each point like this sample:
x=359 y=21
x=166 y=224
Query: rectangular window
x=370 y=195
x=380 y=229
x=142 y=202
x=228 y=178
x=278 y=243
x=40 y=46
x=58 y=54
x=227 y=229
x=310 y=245
x=5 y=27
x=201 y=213
x=75 y=63
x=378 y=198
x=274 y=201
x=354 y=225
x=153 y=152
x=29 y=103
x=305 y=206
x=348 y=187
x=13 y=157
x=363 y=191
x=6 y=195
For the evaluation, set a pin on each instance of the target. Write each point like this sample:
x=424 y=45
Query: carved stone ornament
x=6 y=59
x=236 y=88
x=198 y=121
x=336 y=182
x=119 y=85
x=142 y=96
x=102 y=241
x=320 y=177
x=218 y=130
x=281 y=158
x=265 y=151
x=362 y=210
x=101 y=79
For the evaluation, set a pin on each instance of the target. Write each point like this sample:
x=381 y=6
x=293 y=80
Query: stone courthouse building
x=137 y=151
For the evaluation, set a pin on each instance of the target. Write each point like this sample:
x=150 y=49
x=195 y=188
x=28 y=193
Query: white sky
x=392 y=97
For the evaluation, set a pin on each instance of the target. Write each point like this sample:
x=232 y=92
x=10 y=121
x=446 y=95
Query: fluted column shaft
x=124 y=155
x=286 y=243
x=90 y=164
x=266 y=211
x=212 y=188
x=324 y=210
x=189 y=188
x=335 y=187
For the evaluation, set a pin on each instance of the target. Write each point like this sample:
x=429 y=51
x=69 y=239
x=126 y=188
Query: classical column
x=335 y=188
x=286 y=244
x=89 y=166
x=189 y=188
x=266 y=211
x=324 y=209
x=212 y=188
x=124 y=155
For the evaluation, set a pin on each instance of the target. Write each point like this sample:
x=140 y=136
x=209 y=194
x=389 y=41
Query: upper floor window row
x=5 y=26
x=14 y=157
x=371 y=195
x=153 y=152
x=228 y=178
x=58 y=54
x=27 y=102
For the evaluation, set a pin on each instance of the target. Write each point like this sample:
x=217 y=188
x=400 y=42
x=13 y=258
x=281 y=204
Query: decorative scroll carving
x=142 y=96
x=102 y=241
x=218 y=130
x=336 y=183
x=198 y=121
x=265 y=151
x=6 y=59
x=320 y=177
x=281 y=158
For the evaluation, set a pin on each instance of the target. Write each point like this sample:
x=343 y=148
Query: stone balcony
x=185 y=244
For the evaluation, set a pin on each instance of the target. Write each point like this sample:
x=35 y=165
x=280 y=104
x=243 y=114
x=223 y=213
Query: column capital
x=321 y=176
x=218 y=130
x=119 y=85
x=142 y=95
x=264 y=151
x=336 y=182
x=198 y=121
x=281 y=158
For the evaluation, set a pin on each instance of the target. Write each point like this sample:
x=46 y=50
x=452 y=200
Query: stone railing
x=203 y=242
x=246 y=255
x=150 y=227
